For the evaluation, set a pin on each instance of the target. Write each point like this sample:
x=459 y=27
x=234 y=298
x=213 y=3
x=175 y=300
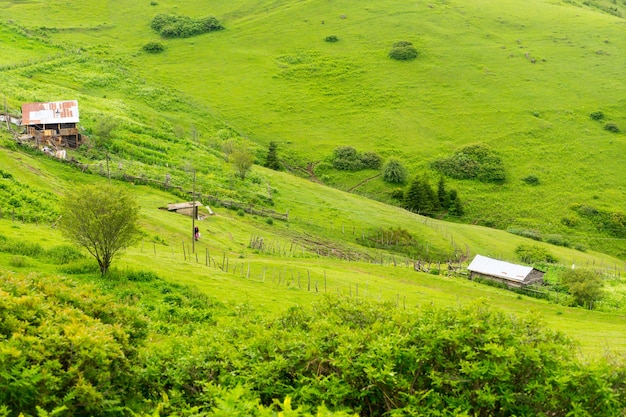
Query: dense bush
x=531 y=180
x=531 y=234
x=597 y=115
x=477 y=162
x=584 y=285
x=420 y=197
x=403 y=51
x=153 y=47
x=612 y=127
x=153 y=348
x=394 y=172
x=346 y=158
x=173 y=26
x=534 y=254
x=611 y=222
x=331 y=38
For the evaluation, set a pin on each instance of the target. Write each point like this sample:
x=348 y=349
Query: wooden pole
x=193 y=214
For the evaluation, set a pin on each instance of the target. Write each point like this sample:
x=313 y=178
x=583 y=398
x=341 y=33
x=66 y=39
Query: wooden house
x=52 y=124
x=507 y=273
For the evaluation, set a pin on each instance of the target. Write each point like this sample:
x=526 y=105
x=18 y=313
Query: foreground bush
x=65 y=347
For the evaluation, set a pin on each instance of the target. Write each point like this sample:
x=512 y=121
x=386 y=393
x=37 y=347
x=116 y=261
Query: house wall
x=515 y=284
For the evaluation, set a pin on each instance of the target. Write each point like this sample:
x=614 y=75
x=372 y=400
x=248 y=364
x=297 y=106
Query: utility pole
x=193 y=214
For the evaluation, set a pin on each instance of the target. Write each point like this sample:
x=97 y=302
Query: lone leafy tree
x=102 y=219
x=242 y=159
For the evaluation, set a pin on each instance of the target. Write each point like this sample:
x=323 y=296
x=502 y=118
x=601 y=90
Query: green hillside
x=520 y=77
x=316 y=285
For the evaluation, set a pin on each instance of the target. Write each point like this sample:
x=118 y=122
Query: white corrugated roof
x=501 y=269
x=50 y=113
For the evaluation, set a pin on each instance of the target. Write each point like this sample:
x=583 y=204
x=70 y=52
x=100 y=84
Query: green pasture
x=521 y=77
x=225 y=267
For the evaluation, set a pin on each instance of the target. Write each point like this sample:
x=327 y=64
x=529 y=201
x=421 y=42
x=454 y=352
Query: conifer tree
x=272 y=161
x=442 y=195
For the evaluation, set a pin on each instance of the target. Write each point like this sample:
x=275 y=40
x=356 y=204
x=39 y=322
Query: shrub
x=370 y=160
x=534 y=254
x=597 y=115
x=63 y=254
x=141 y=276
x=173 y=26
x=611 y=127
x=331 y=38
x=558 y=240
x=531 y=180
x=18 y=261
x=394 y=172
x=477 y=162
x=584 y=285
x=531 y=234
x=269 y=221
x=346 y=158
x=153 y=47
x=241 y=213
x=403 y=51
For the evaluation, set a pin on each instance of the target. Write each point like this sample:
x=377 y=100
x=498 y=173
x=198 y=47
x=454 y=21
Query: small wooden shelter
x=188 y=208
x=507 y=273
x=53 y=123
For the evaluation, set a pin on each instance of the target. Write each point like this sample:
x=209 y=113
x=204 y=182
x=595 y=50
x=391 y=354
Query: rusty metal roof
x=50 y=113
x=495 y=268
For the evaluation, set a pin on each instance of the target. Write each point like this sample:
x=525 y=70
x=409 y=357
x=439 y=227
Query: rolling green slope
x=521 y=77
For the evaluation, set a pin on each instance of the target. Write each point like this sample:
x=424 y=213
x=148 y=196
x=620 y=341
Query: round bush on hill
x=403 y=51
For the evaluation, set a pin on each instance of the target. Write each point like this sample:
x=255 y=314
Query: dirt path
x=365 y=181
x=310 y=168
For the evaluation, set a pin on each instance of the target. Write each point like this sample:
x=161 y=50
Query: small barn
x=52 y=124
x=507 y=273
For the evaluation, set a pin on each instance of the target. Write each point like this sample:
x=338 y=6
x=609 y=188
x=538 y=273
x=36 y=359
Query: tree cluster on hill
x=474 y=162
x=346 y=158
x=420 y=197
x=150 y=347
x=174 y=26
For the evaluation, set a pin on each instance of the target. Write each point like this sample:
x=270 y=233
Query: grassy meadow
x=522 y=78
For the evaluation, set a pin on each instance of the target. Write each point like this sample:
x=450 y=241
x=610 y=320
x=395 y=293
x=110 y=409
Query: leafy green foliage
x=533 y=254
x=153 y=47
x=331 y=38
x=531 y=234
x=346 y=158
x=403 y=51
x=611 y=222
x=174 y=26
x=242 y=159
x=102 y=219
x=597 y=115
x=584 y=285
x=477 y=162
x=64 y=346
x=25 y=203
x=421 y=197
x=531 y=180
x=394 y=172
x=612 y=127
